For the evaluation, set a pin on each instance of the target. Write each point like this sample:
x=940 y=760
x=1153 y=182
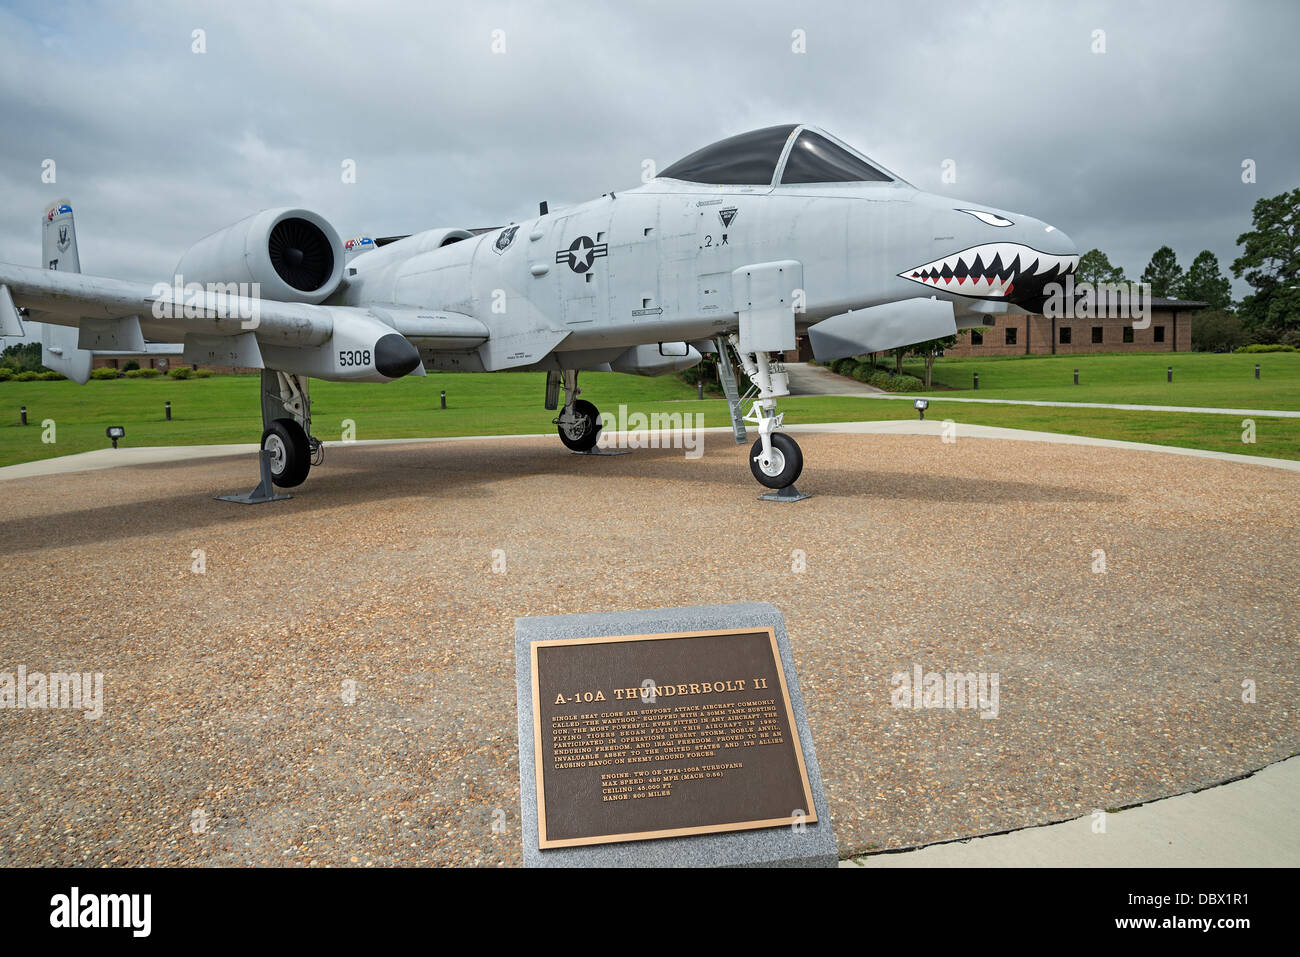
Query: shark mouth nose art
x=993 y=271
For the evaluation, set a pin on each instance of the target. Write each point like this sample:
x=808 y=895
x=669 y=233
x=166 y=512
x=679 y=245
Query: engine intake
x=293 y=255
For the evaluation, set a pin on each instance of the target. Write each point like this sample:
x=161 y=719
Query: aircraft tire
x=291 y=460
x=786 y=464
x=582 y=439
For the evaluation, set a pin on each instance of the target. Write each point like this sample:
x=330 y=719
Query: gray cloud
x=158 y=146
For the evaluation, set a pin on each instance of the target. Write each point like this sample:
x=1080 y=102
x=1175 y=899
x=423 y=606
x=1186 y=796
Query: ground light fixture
x=115 y=432
x=921 y=405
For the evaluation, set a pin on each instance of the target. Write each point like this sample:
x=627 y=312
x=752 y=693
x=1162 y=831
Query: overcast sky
x=157 y=145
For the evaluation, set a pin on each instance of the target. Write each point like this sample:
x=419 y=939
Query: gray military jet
x=737 y=249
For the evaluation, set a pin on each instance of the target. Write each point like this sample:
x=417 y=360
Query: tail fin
x=59 y=238
x=357 y=245
x=59 y=251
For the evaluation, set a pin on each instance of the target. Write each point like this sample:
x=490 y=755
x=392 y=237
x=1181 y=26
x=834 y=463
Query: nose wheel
x=781 y=465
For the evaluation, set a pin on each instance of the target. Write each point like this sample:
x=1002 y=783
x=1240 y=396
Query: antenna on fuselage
x=542 y=208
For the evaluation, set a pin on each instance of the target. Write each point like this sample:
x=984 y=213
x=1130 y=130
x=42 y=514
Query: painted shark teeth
x=990 y=269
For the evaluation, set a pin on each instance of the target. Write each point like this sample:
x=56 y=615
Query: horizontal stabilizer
x=59 y=352
x=879 y=328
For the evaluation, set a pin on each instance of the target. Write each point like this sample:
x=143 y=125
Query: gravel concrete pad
x=226 y=693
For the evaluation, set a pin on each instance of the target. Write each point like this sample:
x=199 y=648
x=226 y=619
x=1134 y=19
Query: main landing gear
x=775 y=459
x=288 y=450
x=579 y=421
x=286 y=421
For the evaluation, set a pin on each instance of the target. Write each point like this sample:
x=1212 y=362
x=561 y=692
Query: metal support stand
x=787 y=494
x=265 y=491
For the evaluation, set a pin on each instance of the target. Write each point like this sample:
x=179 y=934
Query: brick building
x=1170 y=330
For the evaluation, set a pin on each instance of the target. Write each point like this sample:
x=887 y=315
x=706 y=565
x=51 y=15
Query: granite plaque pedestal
x=719 y=767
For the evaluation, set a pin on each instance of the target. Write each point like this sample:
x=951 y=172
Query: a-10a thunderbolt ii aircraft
x=737 y=248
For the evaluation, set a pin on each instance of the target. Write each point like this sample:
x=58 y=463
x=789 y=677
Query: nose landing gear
x=775 y=458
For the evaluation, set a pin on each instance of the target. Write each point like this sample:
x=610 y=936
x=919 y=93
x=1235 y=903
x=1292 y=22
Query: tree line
x=1269 y=262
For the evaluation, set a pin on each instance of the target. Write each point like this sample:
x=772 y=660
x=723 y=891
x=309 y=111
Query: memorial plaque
x=649 y=736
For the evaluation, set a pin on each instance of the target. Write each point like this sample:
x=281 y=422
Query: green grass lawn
x=225 y=409
x=1200 y=378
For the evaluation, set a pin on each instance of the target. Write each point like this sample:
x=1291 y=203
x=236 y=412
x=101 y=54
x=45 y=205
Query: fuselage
x=655 y=263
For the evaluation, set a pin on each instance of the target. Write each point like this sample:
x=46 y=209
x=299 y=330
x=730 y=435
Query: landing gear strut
x=286 y=422
x=579 y=421
x=289 y=450
x=775 y=458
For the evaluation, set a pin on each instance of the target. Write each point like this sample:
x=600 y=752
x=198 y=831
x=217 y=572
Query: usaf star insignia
x=582 y=252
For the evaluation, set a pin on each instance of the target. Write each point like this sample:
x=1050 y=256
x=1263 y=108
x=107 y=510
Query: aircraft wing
x=217 y=329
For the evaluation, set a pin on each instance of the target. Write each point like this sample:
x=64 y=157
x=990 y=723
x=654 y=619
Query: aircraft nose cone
x=1061 y=244
x=395 y=356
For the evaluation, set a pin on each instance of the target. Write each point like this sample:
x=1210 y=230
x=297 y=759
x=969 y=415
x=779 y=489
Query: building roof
x=1158 y=303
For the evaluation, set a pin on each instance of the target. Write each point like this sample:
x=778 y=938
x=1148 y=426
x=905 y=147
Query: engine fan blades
x=301 y=254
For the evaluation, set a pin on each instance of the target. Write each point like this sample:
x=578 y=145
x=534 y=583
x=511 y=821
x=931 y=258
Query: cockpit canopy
x=777 y=155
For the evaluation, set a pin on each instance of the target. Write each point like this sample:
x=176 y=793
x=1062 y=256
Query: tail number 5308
x=354 y=357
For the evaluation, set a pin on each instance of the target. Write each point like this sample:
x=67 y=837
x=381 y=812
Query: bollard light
x=115 y=432
x=1076 y=376
x=977 y=380
x=921 y=405
x=167 y=408
x=444 y=398
x=22 y=410
x=699 y=389
x=1170 y=375
x=1256 y=370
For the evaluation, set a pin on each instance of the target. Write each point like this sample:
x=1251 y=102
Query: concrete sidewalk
x=1202 y=410
x=807 y=379
x=126 y=456
x=1252 y=822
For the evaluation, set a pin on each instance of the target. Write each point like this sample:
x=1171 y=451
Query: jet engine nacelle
x=293 y=255
x=659 y=359
x=360 y=349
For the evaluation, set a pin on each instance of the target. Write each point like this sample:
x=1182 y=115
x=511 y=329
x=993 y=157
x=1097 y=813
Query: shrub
x=104 y=373
x=905 y=383
x=49 y=375
x=862 y=373
x=201 y=374
x=181 y=372
x=1265 y=348
x=132 y=364
x=28 y=376
x=6 y=374
x=845 y=366
x=142 y=374
x=1217 y=332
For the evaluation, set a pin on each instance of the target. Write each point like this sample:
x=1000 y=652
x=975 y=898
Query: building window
x=990 y=321
x=1065 y=335
x=1011 y=336
x=977 y=338
x=1128 y=333
x=1159 y=333
x=1096 y=335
